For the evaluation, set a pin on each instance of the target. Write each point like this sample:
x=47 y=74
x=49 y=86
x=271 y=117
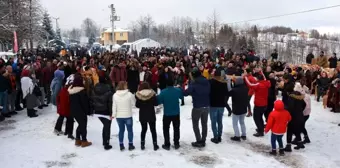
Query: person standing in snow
x=80 y=109
x=261 y=89
x=27 y=87
x=277 y=123
x=63 y=109
x=218 y=93
x=271 y=95
x=295 y=105
x=239 y=96
x=170 y=97
x=102 y=106
x=146 y=101
x=199 y=89
x=56 y=85
x=122 y=103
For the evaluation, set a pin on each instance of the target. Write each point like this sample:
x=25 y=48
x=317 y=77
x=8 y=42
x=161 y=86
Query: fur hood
x=297 y=95
x=74 y=90
x=145 y=94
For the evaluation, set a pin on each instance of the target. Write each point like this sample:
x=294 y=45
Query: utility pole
x=56 y=26
x=113 y=18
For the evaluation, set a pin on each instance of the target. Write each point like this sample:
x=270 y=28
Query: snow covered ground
x=30 y=143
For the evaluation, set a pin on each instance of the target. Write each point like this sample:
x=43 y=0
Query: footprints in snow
x=7 y=125
x=64 y=163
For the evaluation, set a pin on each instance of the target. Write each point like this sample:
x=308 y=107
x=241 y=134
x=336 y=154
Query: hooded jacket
x=296 y=105
x=200 y=92
x=56 y=85
x=79 y=102
x=239 y=96
x=122 y=103
x=304 y=91
x=278 y=119
x=146 y=101
x=102 y=99
x=218 y=92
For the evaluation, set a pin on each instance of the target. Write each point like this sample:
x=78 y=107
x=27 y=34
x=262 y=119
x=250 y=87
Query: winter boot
x=155 y=146
x=244 y=138
x=273 y=152
x=107 y=147
x=197 y=144
x=131 y=147
x=295 y=142
x=142 y=145
x=259 y=134
x=78 y=142
x=306 y=140
x=299 y=146
x=288 y=148
x=31 y=113
x=202 y=143
x=282 y=152
x=177 y=146
x=215 y=140
x=122 y=147
x=18 y=108
x=85 y=144
x=166 y=147
x=40 y=107
x=219 y=139
x=71 y=137
x=235 y=138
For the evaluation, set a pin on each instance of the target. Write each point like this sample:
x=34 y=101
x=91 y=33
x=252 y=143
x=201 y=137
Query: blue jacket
x=200 y=92
x=170 y=97
x=56 y=85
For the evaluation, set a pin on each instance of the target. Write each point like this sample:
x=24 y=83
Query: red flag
x=15 y=48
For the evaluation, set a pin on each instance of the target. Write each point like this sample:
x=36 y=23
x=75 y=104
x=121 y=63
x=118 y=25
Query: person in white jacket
x=122 y=103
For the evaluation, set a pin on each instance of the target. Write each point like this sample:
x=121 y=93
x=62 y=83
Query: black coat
x=163 y=77
x=309 y=58
x=218 y=92
x=323 y=83
x=146 y=101
x=295 y=106
x=102 y=99
x=239 y=97
x=272 y=90
x=333 y=62
x=133 y=80
x=274 y=56
x=79 y=102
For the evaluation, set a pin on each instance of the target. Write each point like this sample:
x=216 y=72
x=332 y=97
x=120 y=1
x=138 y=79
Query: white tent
x=139 y=44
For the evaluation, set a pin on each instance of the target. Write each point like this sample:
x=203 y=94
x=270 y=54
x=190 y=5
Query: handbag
x=37 y=91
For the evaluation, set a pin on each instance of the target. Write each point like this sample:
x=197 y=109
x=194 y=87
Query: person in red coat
x=118 y=74
x=46 y=79
x=277 y=122
x=261 y=89
x=154 y=78
x=63 y=109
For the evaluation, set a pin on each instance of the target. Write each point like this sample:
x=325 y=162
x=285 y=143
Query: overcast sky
x=73 y=12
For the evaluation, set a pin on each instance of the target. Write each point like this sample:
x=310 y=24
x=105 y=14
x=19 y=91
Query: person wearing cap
x=199 y=89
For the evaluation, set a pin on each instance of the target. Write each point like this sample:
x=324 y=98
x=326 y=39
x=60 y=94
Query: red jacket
x=118 y=74
x=261 y=92
x=252 y=80
x=154 y=72
x=63 y=103
x=278 y=119
x=47 y=76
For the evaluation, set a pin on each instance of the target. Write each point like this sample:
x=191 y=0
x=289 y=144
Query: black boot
x=197 y=144
x=299 y=146
x=142 y=145
x=6 y=115
x=131 y=147
x=273 y=152
x=202 y=143
x=122 y=147
x=107 y=147
x=235 y=138
x=295 y=142
x=214 y=140
x=166 y=147
x=155 y=146
x=71 y=137
x=219 y=139
x=282 y=152
x=244 y=138
x=32 y=113
x=259 y=134
x=18 y=108
x=40 y=107
x=177 y=146
x=306 y=140
x=288 y=148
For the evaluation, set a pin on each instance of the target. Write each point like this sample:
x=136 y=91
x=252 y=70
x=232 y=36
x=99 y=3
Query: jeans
x=69 y=124
x=128 y=122
x=216 y=117
x=304 y=131
x=258 y=118
x=167 y=120
x=106 y=133
x=239 y=119
x=81 y=131
x=277 y=138
x=152 y=126
x=11 y=101
x=196 y=115
x=3 y=101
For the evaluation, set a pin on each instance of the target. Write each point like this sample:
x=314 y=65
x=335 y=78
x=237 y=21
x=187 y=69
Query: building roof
x=109 y=30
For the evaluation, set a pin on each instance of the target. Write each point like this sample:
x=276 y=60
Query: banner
x=15 y=46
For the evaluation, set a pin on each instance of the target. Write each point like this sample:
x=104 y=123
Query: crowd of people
x=110 y=85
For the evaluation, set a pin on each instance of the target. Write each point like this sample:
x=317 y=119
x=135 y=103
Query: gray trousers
x=196 y=115
x=41 y=99
x=11 y=101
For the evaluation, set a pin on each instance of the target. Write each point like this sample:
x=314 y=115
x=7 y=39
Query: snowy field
x=30 y=143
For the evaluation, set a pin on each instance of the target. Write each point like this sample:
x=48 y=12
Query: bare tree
x=75 y=34
x=90 y=29
x=214 y=22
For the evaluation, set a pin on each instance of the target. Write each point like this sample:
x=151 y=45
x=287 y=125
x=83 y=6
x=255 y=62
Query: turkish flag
x=15 y=48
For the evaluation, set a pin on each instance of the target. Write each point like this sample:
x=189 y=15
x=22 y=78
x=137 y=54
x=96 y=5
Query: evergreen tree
x=250 y=43
x=47 y=25
x=254 y=31
x=58 y=34
x=242 y=42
